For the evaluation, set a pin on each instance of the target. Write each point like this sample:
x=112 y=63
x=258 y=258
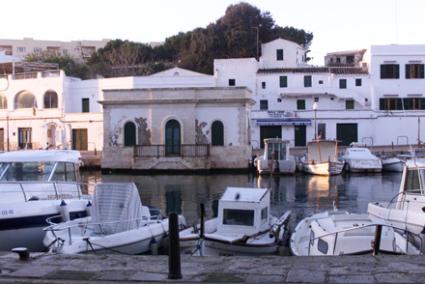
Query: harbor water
x=304 y=195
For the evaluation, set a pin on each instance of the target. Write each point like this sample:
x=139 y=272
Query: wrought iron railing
x=183 y=150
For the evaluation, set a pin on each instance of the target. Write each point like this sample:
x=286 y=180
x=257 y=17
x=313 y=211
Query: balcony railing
x=183 y=150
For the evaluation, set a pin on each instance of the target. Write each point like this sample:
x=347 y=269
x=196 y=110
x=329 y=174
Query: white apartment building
x=343 y=100
x=81 y=49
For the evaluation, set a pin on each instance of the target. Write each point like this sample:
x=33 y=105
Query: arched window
x=50 y=99
x=217 y=134
x=172 y=138
x=25 y=99
x=3 y=101
x=129 y=134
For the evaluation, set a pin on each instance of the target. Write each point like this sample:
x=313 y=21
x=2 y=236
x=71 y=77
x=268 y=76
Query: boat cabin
x=413 y=181
x=359 y=153
x=275 y=149
x=322 y=151
x=243 y=211
x=40 y=174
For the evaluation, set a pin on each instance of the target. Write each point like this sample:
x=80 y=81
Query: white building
x=350 y=102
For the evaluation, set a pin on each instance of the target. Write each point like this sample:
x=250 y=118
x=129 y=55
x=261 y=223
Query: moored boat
x=392 y=164
x=322 y=158
x=276 y=158
x=358 y=158
x=36 y=185
x=243 y=226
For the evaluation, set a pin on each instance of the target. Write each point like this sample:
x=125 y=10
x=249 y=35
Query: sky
x=336 y=24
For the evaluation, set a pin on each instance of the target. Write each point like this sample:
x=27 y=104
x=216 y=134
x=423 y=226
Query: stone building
x=188 y=128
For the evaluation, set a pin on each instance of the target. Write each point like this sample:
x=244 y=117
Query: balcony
x=182 y=151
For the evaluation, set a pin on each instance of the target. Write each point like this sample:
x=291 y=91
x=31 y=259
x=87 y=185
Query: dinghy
x=243 y=226
x=118 y=223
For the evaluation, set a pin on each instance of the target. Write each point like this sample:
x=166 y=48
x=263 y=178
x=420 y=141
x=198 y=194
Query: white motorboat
x=407 y=209
x=118 y=223
x=358 y=158
x=34 y=184
x=340 y=233
x=276 y=158
x=322 y=158
x=392 y=164
x=244 y=226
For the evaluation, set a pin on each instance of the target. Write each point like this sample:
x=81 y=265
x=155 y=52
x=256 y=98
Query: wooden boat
x=322 y=158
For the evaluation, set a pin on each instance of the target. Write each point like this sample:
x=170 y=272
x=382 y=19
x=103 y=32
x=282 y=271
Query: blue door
x=172 y=138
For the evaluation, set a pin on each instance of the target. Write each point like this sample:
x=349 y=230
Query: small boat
x=243 y=226
x=358 y=158
x=407 y=209
x=276 y=158
x=392 y=164
x=322 y=158
x=341 y=233
x=118 y=223
x=36 y=185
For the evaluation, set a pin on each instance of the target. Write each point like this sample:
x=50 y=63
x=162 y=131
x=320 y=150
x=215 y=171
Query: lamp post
x=315 y=107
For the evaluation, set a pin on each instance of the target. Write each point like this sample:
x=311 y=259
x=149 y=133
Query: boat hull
x=324 y=169
x=285 y=167
x=393 y=166
x=366 y=166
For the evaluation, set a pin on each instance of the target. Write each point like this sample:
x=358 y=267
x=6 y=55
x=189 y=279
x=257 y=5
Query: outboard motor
x=64 y=211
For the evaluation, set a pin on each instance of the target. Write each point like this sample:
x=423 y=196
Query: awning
x=282 y=121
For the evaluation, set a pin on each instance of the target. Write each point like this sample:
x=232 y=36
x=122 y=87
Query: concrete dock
x=50 y=268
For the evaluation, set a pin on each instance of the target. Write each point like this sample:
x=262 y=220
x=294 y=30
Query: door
x=80 y=139
x=1 y=139
x=172 y=138
x=300 y=135
x=346 y=133
x=24 y=138
x=269 y=132
x=51 y=136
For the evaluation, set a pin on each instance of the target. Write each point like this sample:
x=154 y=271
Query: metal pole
x=174 y=265
x=202 y=231
x=315 y=124
x=377 y=240
x=7 y=129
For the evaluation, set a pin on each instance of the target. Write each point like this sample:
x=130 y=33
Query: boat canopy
x=275 y=148
x=69 y=156
x=321 y=151
x=116 y=208
x=359 y=153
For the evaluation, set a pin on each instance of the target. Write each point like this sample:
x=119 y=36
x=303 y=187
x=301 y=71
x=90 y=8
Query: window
x=300 y=104
x=80 y=139
x=64 y=172
x=172 y=138
x=316 y=99
x=412 y=184
x=349 y=104
x=350 y=59
x=85 y=104
x=264 y=104
x=217 y=134
x=38 y=49
x=25 y=138
x=50 y=99
x=264 y=213
x=320 y=82
x=321 y=131
x=390 y=71
x=129 y=134
x=414 y=71
x=307 y=81
x=238 y=217
x=343 y=83
x=283 y=81
x=25 y=99
x=279 y=100
x=263 y=85
x=3 y=101
x=322 y=246
x=279 y=54
x=414 y=103
x=232 y=82
x=358 y=82
x=390 y=104
x=20 y=49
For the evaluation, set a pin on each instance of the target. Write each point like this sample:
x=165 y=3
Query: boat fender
x=88 y=208
x=64 y=211
x=275 y=231
x=153 y=246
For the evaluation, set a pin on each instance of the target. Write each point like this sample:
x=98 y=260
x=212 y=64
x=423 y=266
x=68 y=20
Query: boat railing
x=91 y=226
x=409 y=235
x=50 y=190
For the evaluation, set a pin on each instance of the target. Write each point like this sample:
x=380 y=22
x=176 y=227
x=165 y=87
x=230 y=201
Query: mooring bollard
x=377 y=240
x=174 y=267
x=23 y=253
x=201 y=235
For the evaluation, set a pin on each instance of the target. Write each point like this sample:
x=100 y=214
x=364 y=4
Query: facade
x=346 y=101
x=81 y=49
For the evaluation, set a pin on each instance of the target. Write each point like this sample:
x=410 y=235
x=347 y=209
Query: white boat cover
x=116 y=208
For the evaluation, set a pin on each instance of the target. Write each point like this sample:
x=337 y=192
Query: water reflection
x=303 y=195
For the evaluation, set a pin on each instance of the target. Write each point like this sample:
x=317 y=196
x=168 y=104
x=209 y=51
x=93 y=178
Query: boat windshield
x=276 y=151
x=37 y=171
x=238 y=217
x=414 y=179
